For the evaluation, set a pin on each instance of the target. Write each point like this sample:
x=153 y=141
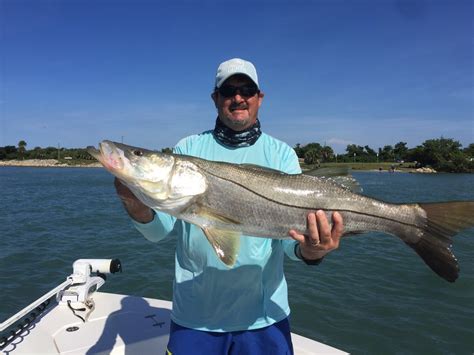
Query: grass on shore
x=363 y=166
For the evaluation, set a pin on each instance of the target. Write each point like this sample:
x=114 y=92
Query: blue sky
x=336 y=72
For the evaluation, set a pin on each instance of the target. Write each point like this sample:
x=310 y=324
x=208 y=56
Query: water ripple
x=374 y=295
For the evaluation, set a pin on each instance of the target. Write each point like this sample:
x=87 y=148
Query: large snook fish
x=227 y=200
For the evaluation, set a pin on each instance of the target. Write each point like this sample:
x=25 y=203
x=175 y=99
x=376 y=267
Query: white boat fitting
x=84 y=321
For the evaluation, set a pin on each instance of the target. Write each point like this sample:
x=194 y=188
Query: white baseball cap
x=235 y=66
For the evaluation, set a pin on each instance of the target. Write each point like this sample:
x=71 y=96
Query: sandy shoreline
x=46 y=163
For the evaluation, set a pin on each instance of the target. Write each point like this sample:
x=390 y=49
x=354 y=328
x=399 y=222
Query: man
x=243 y=309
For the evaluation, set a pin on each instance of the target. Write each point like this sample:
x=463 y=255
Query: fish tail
x=443 y=221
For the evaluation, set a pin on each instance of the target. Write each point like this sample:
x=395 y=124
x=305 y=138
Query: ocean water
x=373 y=295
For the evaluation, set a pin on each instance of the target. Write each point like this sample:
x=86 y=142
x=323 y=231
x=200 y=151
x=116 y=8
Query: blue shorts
x=274 y=339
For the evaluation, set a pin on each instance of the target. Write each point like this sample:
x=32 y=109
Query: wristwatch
x=306 y=261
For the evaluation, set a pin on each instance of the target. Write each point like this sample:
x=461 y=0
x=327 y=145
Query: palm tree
x=22 y=149
x=312 y=157
x=327 y=153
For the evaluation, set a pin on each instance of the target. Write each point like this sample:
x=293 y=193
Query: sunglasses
x=245 y=90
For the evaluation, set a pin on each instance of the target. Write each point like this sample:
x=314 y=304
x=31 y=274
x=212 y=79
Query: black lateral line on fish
x=305 y=208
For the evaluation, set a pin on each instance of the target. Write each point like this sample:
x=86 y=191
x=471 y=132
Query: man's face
x=238 y=112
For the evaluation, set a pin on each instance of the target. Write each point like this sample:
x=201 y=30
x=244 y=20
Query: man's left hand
x=320 y=238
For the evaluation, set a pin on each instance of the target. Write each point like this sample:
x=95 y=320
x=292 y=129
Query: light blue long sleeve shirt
x=208 y=295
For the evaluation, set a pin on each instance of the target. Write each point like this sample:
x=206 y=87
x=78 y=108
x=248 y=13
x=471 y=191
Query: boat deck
x=118 y=324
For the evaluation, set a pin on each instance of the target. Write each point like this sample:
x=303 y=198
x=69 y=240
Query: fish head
x=139 y=168
x=158 y=179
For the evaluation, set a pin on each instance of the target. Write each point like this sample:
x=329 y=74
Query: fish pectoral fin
x=225 y=243
x=215 y=216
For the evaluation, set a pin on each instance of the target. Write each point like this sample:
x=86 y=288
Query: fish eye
x=138 y=153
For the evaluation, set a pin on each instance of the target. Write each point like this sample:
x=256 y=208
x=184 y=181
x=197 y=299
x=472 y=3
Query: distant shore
x=54 y=163
x=47 y=163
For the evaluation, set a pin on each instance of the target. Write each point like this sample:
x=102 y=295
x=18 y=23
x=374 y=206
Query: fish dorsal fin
x=225 y=242
x=338 y=175
x=261 y=168
x=348 y=182
x=328 y=171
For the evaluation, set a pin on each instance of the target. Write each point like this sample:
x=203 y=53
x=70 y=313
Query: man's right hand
x=134 y=207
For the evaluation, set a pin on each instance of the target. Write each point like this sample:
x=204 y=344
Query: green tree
x=370 y=151
x=21 y=149
x=312 y=156
x=298 y=150
x=8 y=152
x=441 y=153
x=301 y=151
x=313 y=146
x=400 y=150
x=50 y=152
x=36 y=153
x=386 y=153
x=469 y=151
x=369 y=154
x=355 y=152
x=327 y=153
x=352 y=148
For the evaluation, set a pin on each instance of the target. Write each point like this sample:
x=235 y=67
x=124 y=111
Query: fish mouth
x=94 y=152
x=109 y=155
x=112 y=155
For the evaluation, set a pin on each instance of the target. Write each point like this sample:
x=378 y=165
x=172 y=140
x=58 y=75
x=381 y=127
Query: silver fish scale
x=268 y=203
